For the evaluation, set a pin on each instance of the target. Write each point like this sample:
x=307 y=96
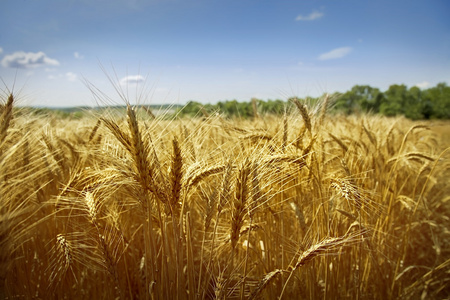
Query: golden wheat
x=137 y=207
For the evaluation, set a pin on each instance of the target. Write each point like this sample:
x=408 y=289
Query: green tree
x=192 y=108
x=361 y=98
x=414 y=104
x=437 y=101
x=276 y=107
x=394 y=100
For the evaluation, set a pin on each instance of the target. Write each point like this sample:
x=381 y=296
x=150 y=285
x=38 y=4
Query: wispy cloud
x=311 y=17
x=1 y=50
x=423 y=84
x=26 y=60
x=77 y=55
x=335 y=53
x=71 y=76
x=132 y=79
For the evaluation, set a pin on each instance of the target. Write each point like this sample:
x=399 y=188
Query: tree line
x=414 y=103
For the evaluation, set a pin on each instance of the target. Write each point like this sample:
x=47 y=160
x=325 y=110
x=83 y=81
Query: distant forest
x=414 y=103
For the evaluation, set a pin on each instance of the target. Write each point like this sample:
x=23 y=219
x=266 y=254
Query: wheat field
x=309 y=205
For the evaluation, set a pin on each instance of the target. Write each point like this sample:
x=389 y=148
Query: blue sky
x=172 y=51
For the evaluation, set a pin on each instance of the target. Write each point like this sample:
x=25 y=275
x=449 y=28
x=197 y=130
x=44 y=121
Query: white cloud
x=423 y=84
x=71 y=76
x=1 y=50
x=311 y=17
x=77 y=55
x=25 y=60
x=335 y=53
x=132 y=79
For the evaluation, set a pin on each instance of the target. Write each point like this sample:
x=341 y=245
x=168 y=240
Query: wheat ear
x=149 y=112
x=202 y=174
x=303 y=112
x=120 y=135
x=255 y=108
x=317 y=249
x=239 y=203
x=108 y=258
x=64 y=247
x=6 y=117
x=323 y=110
x=139 y=151
x=254 y=137
x=264 y=282
x=349 y=192
x=285 y=133
x=314 y=251
x=340 y=143
x=176 y=174
x=94 y=130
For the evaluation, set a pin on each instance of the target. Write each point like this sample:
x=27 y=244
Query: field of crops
x=305 y=206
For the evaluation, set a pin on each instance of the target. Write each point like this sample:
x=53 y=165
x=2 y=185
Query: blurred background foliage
x=413 y=103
